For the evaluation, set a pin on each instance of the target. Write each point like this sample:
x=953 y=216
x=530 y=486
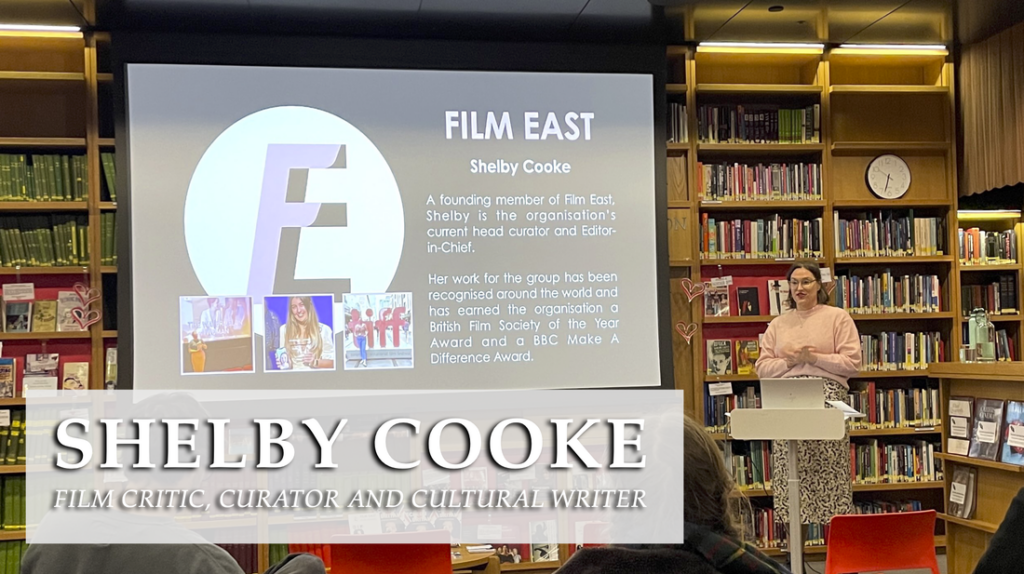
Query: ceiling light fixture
x=40 y=30
x=892 y=49
x=987 y=214
x=760 y=47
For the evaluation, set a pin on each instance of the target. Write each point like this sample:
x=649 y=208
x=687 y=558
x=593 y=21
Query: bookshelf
x=868 y=104
x=50 y=102
x=50 y=96
x=996 y=482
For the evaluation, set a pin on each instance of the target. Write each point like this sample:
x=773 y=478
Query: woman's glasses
x=805 y=283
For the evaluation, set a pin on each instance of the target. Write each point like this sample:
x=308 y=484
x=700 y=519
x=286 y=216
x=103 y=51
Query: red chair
x=874 y=542
x=421 y=552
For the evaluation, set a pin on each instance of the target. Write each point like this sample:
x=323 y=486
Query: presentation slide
x=391 y=229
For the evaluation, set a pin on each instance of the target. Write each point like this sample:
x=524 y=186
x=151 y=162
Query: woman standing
x=821 y=341
x=359 y=331
x=197 y=353
x=308 y=342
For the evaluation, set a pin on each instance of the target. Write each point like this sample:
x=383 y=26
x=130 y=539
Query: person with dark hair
x=714 y=538
x=815 y=340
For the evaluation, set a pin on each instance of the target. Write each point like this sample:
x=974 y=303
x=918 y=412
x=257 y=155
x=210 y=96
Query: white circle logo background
x=223 y=200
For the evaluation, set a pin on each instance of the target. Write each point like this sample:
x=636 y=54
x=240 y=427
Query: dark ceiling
x=833 y=21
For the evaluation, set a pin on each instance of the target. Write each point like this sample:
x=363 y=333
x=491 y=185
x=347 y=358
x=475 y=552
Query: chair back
x=873 y=542
x=422 y=552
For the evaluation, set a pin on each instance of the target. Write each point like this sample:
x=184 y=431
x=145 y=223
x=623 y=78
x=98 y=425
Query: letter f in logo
x=283 y=212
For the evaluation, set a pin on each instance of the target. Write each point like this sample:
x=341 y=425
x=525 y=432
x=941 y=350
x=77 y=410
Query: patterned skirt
x=826 y=488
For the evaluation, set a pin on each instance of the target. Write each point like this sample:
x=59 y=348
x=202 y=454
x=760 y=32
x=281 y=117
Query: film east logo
x=293 y=200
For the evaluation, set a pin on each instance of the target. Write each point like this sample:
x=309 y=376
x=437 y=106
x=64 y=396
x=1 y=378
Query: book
x=44 y=316
x=719 y=357
x=961 y=492
x=110 y=372
x=988 y=417
x=716 y=301
x=778 y=297
x=7 y=380
x=75 y=376
x=1013 y=434
x=17 y=316
x=747 y=353
x=749 y=301
x=543 y=546
x=960 y=424
x=66 y=301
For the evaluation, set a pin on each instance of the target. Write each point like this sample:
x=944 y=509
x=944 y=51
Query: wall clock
x=888 y=176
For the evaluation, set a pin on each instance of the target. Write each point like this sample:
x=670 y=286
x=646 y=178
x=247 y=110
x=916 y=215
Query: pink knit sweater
x=831 y=332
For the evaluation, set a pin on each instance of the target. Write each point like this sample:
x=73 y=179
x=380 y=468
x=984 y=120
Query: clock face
x=888 y=176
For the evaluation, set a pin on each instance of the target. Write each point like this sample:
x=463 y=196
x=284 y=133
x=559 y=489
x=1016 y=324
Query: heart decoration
x=85 y=317
x=690 y=289
x=687 y=331
x=830 y=288
x=86 y=295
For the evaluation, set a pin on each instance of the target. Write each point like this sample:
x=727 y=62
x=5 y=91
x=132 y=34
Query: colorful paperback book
x=961 y=492
x=747 y=353
x=66 y=301
x=778 y=297
x=44 y=316
x=988 y=418
x=719 y=357
x=961 y=420
x=7 y=380
x=75 y=377
x=716 y=301
x=1013 y=434
x=17 y=316
x=749 y=301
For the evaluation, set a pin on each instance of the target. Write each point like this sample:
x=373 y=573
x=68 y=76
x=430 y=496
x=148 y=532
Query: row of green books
x=37 y=177
x=107 y=161
x=12 y=440
x=44 y=241
x=108 y=235
x=13 y=496
x=11 y=554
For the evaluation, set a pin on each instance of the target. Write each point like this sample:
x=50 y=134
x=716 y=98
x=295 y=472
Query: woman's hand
x=801 y=356
x=806 y=355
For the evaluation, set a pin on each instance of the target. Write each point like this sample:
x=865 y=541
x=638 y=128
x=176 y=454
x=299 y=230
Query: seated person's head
x=710 y=496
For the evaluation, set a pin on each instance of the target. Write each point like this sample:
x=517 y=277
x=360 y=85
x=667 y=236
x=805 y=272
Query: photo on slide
x=298 y=333
x=216 y=335
x=378 y=331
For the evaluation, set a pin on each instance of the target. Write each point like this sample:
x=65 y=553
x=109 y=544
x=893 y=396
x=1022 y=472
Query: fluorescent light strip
x=987 y=215
x=37 y=28
x=761 y=45
x=925 y=47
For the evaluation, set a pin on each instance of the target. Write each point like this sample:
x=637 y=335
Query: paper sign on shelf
x=1016 y=436
x=958 y=446
x=958 y=494
x=958 y=427
x=720 y=282
x=19 y=292
x=5 y=418
x=987 y=432
x=826 y=275
x=719 y=389
x=959 y=408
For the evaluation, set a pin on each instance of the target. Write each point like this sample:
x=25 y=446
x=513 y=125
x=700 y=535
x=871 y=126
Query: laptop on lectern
x=793 y=393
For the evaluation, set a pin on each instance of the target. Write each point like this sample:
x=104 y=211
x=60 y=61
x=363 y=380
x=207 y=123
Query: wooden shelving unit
x=850 y=90
x=50 y=104
x=996 y=482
